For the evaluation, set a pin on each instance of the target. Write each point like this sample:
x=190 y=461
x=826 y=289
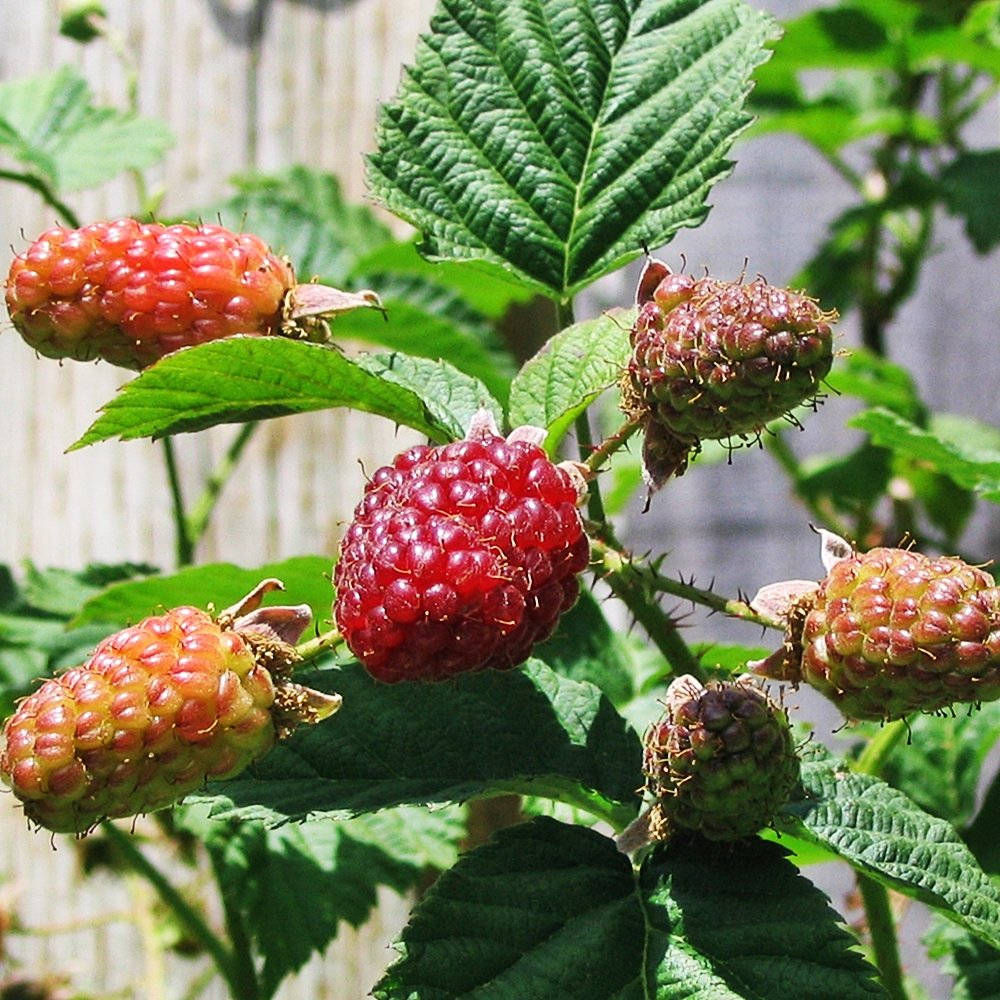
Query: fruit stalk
x=612 y=556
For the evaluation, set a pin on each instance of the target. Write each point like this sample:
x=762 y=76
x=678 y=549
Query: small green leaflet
x=306 y=580
x=555 y=137
x=964 y=450
x=570 y=372
x=49 y=123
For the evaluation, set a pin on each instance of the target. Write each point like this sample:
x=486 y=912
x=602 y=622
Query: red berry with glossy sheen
x=460 y=557
x=715 y=360
x=157 y=710
x=890 y=632
x=131 y=292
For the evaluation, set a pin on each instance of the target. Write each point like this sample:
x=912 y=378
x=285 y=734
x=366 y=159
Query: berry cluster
x=459 y=558
x=714 y=360
x=155 y=711
x=721 y=762
x=889 y=632
x=130 y=292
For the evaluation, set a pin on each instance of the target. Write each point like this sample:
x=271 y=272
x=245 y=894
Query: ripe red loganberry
x=460 y=557
x=716 y=360
x=889 y=632
x=157 y=710
x=130 y=292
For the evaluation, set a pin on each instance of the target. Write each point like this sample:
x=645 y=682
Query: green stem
x=874 y=895
x=615 y=561
x=634 y=585
x=595 y=505
x=617 y=815
x=872 y=759
x=179 y=906
x=584 y=439
x=244 y=984
x=782 y=453
x=312 y=648
x=599 y=454
x=200 y=515
x=191 y=526
x=48 y=195
x=882 y=930
x=183 y=545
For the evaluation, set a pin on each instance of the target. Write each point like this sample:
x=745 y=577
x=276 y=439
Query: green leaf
x=586 y=648
x=938 y=45
x=250 y=378
x=939 y=765
x=981 y=836
x=302 y=213
x=485 y=287
x=526 y=730
x=554 y=137
x=50 y=124
x=306 y=580
x=877 y=382
x=570 y=372
x=430 y=321
x=297 y=884
x=964 y=450
x=946 y=505
x=973 y=964
x=728 y=658
x=852 y=483
x=880 y=831
x=450 y=397
x=970 y=191
x=60 y=592
x=549 y=911
x=841 y=37
x=830 y=124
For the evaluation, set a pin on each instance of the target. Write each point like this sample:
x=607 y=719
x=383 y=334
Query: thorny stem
x=312 y=648
x=609 y=554
x=600 y=453
x=882 y=931
x=627 y=583
x=224 y=961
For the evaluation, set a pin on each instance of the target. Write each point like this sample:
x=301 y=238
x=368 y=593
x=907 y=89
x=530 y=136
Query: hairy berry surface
x=131 y=292
x=891 y=632
x=460 y=557
x=715 y=360
x=722 y=761
x=157 y=709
